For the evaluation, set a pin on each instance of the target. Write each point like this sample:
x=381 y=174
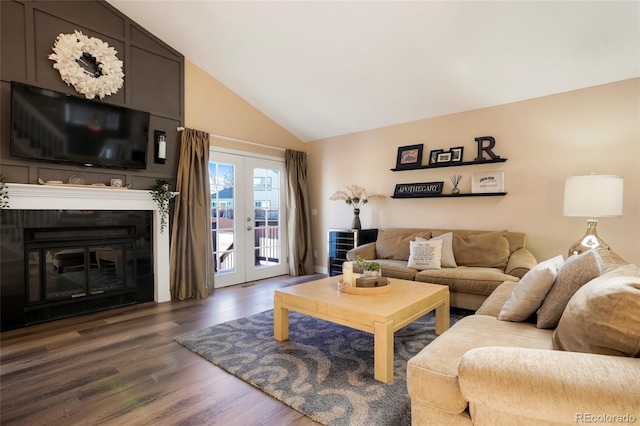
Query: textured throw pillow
x=610 y=259
x=576 y=272
x=528 y=294
x=448 y=260
x=603 y=317
x=488 y=249
x=425 y=254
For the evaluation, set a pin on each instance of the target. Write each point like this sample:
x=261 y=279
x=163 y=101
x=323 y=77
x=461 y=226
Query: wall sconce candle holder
x=160 y=147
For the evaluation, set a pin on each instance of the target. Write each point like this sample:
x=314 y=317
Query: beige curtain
x=298 y=214
x=191 y=246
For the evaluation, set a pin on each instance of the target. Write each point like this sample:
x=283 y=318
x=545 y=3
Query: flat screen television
x=61 y=128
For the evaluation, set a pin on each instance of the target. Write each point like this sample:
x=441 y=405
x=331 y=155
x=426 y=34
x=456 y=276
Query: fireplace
x=75 y=270
x=68 y=251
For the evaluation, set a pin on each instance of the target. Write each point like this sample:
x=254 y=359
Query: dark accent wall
x=153 y=81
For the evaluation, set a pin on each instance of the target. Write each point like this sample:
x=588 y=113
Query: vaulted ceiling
x=326 y=68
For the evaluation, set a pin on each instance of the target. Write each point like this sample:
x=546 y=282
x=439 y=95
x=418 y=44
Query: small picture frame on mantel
x=409 y=157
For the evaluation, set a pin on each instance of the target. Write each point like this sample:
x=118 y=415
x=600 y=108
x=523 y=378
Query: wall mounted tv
x=56 y=127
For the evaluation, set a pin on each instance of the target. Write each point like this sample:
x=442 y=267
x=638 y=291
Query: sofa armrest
x=493 y=304
x=549 y=385
x=520 y=262
x=366 y=251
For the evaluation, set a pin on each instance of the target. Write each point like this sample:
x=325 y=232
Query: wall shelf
x=461 y=163
x=482 y=194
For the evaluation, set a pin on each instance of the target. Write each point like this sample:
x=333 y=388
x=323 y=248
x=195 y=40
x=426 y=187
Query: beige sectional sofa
x=483 y=260
x=485 y=371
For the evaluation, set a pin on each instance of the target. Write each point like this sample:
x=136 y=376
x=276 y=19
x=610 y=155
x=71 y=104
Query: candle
x=162 y=148
x=347 y=273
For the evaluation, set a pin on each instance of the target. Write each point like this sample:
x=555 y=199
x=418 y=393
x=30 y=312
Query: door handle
x=249 y=228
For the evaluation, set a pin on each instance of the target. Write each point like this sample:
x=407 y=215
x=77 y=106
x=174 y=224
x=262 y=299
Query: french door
x=248 y=217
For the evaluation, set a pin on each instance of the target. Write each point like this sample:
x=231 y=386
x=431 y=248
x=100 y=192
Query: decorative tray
x=363 y=290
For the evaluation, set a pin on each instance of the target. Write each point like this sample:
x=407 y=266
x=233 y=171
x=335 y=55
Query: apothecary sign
x=415 y=190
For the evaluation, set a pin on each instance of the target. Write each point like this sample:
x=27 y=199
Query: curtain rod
x=240 y=140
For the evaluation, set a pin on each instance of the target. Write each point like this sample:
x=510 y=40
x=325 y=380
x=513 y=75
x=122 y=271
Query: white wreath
x=71 y=47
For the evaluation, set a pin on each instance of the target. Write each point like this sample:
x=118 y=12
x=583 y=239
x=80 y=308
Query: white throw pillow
x=425 y=254
x=448 y=260
x=529 y=293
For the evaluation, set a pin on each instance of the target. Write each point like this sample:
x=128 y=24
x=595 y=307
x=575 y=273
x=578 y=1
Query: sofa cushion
x=448 y=259
x=531 y=290
x=610 y=259
x=432 y=374
x=425 y=254
x=517 y=240
x=574 y=273
x=466 y=279
x=394 y=243
x=489 y=249
x=603 y=316
x=396 y=269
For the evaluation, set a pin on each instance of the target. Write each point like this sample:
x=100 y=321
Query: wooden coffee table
x=379 y=314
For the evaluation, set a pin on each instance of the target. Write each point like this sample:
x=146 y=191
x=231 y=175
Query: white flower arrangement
x=69 y=48
x=354 y=196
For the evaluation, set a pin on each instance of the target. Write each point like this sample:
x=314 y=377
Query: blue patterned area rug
x=325 y=370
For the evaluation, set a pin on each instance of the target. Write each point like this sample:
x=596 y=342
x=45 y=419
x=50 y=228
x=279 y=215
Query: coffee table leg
x=383 y=351
x=280 y=320
x=442 y=316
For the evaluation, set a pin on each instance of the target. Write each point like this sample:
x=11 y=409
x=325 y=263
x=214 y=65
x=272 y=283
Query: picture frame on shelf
x=444 y=157
x=433 y=156
x=489 y=182
x=456 y=154
x=409 y=157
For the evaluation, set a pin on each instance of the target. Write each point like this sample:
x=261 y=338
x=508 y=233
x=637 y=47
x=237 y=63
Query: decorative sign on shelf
x=414 y=190
x=487 y=182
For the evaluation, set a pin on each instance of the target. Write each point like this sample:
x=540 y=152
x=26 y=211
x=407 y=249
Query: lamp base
x=589 y=241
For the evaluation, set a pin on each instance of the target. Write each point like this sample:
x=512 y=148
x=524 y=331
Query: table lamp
x=592 y=196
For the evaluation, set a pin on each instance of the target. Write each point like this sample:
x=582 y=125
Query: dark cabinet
x=343 y=240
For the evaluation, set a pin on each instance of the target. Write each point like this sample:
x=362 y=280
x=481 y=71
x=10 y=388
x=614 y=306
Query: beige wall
x=545 y=140
x=212 y=107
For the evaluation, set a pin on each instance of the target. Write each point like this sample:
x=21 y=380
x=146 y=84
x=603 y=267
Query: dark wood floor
x=122 y=367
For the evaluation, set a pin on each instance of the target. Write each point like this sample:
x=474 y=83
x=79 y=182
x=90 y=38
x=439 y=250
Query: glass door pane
x=223 y=195
x=267 y=257
x=266 y=200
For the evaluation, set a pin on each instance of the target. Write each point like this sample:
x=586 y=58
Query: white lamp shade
x=593 y=196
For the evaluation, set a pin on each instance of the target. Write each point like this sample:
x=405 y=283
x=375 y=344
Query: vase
x=355 y=224
x=455 y=191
